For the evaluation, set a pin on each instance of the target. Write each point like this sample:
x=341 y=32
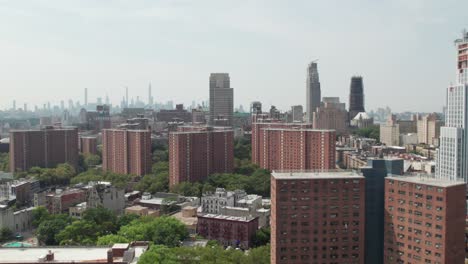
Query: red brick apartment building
x=256 y=133
x=228 y=230
x=44 y=148
x=126 y=151
x=424 y=220
x=196 y=153
x=317 y=217
x=88 y=145
x=296 y=148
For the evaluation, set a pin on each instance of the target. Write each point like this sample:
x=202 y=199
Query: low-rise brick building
x=228 y=230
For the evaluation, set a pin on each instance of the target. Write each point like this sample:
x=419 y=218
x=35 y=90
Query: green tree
x=369 y=132
x=82 y=166
x=258 y=255
x=160 y=155
x=80 y=232
x=154 y=183
x=102 y=217
x=109 y=240
x=204 y=255
x=5 y=234
x=48 y=229
x=188 y=189
x=164 y=230
x=126 y=219
x=242 y=148
x=158 y=254
x=161 y=166
x=118 y=180
x=262 y=237
x=4 y=162
x=60 y=175
x=39 y=215
x=92 y=160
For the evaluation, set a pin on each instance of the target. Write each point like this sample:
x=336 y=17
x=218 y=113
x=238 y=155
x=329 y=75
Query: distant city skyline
x=52 y=50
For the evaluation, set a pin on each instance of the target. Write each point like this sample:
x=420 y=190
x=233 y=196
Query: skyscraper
x=313 y=93
x=150 y=97
x=86 y=96
x=452 y=160
x=356 y=97
x=126 y=96
x=297 y=113
x=221 y=98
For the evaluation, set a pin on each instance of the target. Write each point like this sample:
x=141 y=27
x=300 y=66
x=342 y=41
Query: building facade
x=331 y=115
x=429 y=129
x=452 y=160
x=297 y=113
x=126 y=151
x=296 y=149
x=196 y=153
x=44 y=148
x=178 y=114
x=88 y=145
x=231 y=231
x=375 y=173
x=221 y=98
x=313 y=92
x=390 y=132
x=317 y=217
x=61 y=200
x=424 y=220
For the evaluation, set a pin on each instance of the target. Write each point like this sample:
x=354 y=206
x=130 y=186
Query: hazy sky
x=51 y=49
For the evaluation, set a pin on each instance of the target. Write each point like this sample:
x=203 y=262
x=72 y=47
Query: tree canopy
x=369 y=132
x=61 y=175
x=117 y=180
x=159 y=254
x=164 y=230
x=4 y=162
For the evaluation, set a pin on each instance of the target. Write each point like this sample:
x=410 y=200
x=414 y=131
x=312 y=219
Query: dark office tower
x=221 y=98
x=44 y=148
x=356 y=96
x=313 y=93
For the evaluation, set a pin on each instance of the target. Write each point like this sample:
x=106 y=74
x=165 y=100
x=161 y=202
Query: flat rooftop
x=63 y=254
x=227 y=217
x=297 y=175
x=60 y=254
x=298 y=129
x=426 y=180
x=201 y=131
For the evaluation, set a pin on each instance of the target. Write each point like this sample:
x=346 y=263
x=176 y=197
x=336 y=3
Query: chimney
x=110 y=257
x=50 y=256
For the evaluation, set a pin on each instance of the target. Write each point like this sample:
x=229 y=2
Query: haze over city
x=51 y=50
